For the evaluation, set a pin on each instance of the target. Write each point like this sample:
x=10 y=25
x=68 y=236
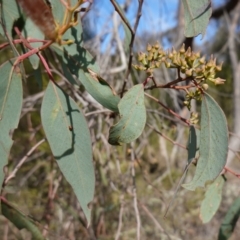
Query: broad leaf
x=58 y=10
x=69 y=138
x=33 y=32
x=21 y=221
x=229 y=221
x=196 y=16
x=132 y=117
x=213 y=144
x=10 y=109
x=9 y=12
x=212 y=200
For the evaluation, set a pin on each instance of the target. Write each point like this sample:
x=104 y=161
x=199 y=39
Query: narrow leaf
x=69 y=138
x=132 y=117
x=33 y=32
x=229 y=221
x=192 y=149
x=192 y=144
x=20 y=220
x=196 y=16
x=9 y=12
x=10 y=109
x=79 y=62
x=212 y=200
x=213 y=144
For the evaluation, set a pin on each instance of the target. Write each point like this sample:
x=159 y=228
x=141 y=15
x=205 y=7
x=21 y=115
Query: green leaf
x=212 y=200
x=196 y=16
x=58 y=9
x=229 y=221
x=37 y=74
x=79 y=62
x=69 y=138
x=33 y=32
x=132 y=117
x=126 y=25
x=20 y=220
x=10 y=109
x=213 y=144
x=192 y=144
x=9 y=13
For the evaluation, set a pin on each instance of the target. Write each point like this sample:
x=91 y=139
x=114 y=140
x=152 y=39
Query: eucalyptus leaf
x=192 y=144
x=20 y=220
x=213 y=144
x=79 y=62
x=196 y=16
x=230 y=220
x=132 y=117
x=68 y=135
x=11 y=95
x=9 y=12
x=212 y=199
x=33 y=32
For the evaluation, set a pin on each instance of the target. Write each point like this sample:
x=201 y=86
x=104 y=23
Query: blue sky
x=157 y=16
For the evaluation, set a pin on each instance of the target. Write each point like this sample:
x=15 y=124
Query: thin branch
x=167 y=138
x=133 y=32
x=134 y=193
x=120 y=219
x=168 y=109
x=226 y=169
x=157 y=224
x=21 y=162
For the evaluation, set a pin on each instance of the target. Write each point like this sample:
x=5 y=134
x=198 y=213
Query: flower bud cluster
x=192 y=95
x=190 y=63
x=152 y=59
x=194 y=118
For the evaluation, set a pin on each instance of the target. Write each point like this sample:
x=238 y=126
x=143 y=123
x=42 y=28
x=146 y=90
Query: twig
x=226 y=169
x=134 y=193
x=145 y=209
x=118 y=234
x=21 y=162
x=169 y=139
x=133 y=33
x=172 y=83
x=168 y=109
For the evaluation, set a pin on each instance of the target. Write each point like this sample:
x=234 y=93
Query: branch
x=21 y=162
x=134 y=192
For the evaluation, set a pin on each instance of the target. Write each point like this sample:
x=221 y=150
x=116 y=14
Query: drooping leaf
x=126 y=25
x=229 y=221
x=212 y=200
x=10 y=109
x=33 y=32
x=20 y=220
x=192 y=149
x=213 y=144
x=192 y=144
x=38 y=77
x=79 y=62
x=9 y=12
x=196 y=16
x=69 y=138
x=132 y=117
